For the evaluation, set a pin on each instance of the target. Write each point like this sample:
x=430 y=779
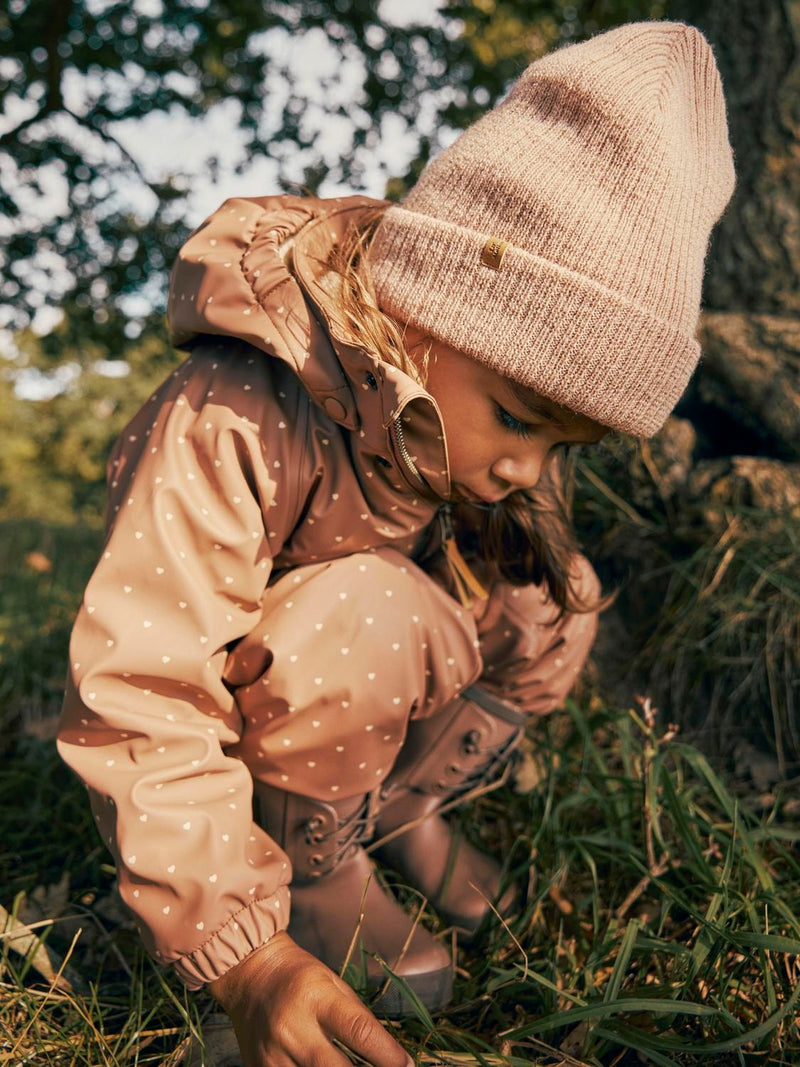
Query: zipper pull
x=467 y=585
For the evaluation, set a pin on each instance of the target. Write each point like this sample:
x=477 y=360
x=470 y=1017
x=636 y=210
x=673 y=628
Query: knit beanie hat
x=560 y=240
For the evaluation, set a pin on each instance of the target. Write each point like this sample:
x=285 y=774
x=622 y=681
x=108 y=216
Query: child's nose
x=522 y=471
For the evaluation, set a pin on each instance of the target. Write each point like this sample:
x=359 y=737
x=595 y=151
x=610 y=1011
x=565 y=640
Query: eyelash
x=509 y=422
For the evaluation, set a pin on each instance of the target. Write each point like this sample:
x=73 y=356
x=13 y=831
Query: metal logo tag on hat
x=493 y=252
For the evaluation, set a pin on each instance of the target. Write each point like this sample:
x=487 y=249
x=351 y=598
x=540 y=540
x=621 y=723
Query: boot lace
x=491 y=768
x=346 y=835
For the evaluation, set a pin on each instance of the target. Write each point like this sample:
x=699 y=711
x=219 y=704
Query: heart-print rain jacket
x=277 y=443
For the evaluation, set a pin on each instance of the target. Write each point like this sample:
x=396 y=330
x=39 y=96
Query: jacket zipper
x=466 y=584
x=403 y=450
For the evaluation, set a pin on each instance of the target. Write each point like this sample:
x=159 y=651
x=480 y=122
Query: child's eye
x=507 y=420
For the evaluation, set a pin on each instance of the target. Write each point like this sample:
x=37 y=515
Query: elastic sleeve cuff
x=245 y=931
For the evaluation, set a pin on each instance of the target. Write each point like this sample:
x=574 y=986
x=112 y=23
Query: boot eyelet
x=470 y=743
x=312 y=829
x=315 y=860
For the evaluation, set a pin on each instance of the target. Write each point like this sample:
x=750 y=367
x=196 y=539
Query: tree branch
x=57 y=25
x=109 y=138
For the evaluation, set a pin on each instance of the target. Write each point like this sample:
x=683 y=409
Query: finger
x=321 y=1053
x=338 y=1055
x=358 y=1030
x=351 y=1056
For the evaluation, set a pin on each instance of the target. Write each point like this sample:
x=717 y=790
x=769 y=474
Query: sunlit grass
x=659 y=920
x=660 y=916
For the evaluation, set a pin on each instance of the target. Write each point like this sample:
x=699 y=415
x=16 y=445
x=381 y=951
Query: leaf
x=22 y=939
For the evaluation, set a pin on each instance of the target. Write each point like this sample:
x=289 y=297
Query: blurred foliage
x=43 y=570
x=88 y=226
x=53 y=457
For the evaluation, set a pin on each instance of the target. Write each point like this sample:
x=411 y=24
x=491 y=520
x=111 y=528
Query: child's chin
x=466 y=496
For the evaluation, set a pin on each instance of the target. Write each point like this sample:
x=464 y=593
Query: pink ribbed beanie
x=561 y=239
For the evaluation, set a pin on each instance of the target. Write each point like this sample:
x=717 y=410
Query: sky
x=156 y=141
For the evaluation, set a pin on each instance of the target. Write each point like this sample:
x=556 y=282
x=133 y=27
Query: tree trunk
x=754 y=264
x=756 y=258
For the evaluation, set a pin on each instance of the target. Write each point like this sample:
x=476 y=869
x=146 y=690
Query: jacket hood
x=255 y=270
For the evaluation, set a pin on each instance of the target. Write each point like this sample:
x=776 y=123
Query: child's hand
x=286 y=1007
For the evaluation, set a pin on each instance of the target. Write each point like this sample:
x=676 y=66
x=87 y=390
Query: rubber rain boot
x=340 y=911
x=461 y=748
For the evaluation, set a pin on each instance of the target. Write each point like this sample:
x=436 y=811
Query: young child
x=339 y=576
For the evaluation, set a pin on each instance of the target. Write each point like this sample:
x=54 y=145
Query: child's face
x=500 y=436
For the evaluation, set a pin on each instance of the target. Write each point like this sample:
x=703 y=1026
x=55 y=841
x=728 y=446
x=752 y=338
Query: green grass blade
x=421 y=1011
x=731 y=1044
x=631 y=1038
x=707 y=935
x=621 y=962
x=519 y=974
x=702 y=767
x=651 y=1005
x=772 y=942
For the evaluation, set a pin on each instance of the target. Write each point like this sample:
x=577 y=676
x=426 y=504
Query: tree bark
x=755 y=262
x=751 y=354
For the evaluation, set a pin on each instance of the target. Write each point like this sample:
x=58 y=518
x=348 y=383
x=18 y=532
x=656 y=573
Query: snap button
x=333 y=407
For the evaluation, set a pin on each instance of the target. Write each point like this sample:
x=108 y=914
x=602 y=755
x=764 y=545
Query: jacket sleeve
x=199 y=509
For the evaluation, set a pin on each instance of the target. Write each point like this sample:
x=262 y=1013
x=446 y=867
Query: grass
x=662 y=914
x=728 y=637
x=709 y=602
x=660 y=919
x=43 y=569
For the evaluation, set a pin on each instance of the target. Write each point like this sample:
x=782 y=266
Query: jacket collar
x=404 y=409
x=256 y=270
